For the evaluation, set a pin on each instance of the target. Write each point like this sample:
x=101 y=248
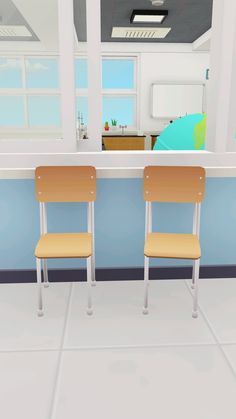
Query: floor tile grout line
x=121 y=347
x=215 y=337
x=59 y=363
x=227 y=343
x=115 y=347
x=27 y=350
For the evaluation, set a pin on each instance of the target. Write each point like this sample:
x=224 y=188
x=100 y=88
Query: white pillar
x=67 y=72
x=222 y=74
x=93 y=12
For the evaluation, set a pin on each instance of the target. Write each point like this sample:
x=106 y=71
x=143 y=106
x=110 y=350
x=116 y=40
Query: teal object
x=186 y=133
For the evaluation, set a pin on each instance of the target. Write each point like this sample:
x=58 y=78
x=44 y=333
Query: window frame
x=46 y=130
x=30 y=154
x=118 y=92
x=42 y=141
x=65 y=143
x=25 y=92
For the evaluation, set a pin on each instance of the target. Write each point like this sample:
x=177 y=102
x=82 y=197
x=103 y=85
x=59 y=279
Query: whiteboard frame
x=174 y=83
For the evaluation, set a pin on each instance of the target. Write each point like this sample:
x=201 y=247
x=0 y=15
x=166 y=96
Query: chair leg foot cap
x=93 y=283
x=40 y=313
x=145 y=310
x=89 y=311
x=46 y=285
x=195 y=315
x=192 y=286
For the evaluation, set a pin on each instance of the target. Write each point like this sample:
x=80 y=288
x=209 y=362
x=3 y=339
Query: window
x=30 y=81
x=29 y=93
x=81 y=73
x=43 y=111
x=119 y=95
x=12 y=111
x=10 y=73
x=120 y=108
x=82 y=108
x=30 y=96
x=81 y=82
x=42 y=73
x=118 y=74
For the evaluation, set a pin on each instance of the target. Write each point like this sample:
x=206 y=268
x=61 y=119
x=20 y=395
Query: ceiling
x=10 y=15
x=188 y=19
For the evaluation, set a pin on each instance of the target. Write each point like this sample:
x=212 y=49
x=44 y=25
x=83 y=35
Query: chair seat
x=64 y=245
x=176 y=246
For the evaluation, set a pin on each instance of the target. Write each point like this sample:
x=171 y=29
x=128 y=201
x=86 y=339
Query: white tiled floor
x=219 y=305
x=26 y=384
x=20 y=329
x=118 y=364
x=118 y=319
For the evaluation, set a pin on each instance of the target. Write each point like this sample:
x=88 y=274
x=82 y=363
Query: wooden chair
x=65 y=184
x=181 y=185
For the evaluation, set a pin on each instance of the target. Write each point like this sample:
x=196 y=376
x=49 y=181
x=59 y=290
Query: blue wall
x=119 y=218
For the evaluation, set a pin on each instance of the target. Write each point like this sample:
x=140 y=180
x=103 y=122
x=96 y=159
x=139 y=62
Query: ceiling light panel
x=157 y=2
x=140 y=33
x=148 y=16
x=12 y=31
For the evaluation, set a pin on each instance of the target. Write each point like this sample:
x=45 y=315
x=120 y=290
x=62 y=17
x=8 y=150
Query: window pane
x=12 y=111
x=120 y=108
x=117 y=74
x=44 y=110
x=10 y=73
x=82 y=108
x=42 y=73
x=81 y=73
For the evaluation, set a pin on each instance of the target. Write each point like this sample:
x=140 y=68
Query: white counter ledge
x=113 y=172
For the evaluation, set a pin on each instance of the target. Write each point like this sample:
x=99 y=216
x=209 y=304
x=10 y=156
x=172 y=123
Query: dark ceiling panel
x=80 y=19
x=188 y=19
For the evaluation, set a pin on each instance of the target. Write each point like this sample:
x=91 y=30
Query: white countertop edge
x=113 y=172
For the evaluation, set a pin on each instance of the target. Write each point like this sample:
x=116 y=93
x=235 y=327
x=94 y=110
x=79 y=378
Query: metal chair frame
x=91 y=280
x=196 y=263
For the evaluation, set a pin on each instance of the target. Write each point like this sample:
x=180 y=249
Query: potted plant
x=106 y=126
x=114 y=124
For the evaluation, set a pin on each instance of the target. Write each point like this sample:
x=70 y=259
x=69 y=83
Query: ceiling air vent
x=12 y=31
x=139 y=33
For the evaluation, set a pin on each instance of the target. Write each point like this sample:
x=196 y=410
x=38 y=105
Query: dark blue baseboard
x=118 y=274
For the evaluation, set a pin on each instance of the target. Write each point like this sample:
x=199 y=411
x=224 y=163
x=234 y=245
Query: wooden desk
x=153 y=140
x=124 y=142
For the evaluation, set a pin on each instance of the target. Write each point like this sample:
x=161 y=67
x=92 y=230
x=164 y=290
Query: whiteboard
x=172 y=100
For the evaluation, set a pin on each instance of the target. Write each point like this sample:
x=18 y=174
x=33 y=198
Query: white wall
x=169 y=66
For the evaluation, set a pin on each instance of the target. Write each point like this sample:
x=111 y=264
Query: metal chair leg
x=93 y=270
x=196 y=265
x=146 y=283
x=193 y=278
x=45 y=274
x=39 y=282
x=89 y=285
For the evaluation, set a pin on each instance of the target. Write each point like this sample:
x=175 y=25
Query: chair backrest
x=174 y=184
x=65 y=183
